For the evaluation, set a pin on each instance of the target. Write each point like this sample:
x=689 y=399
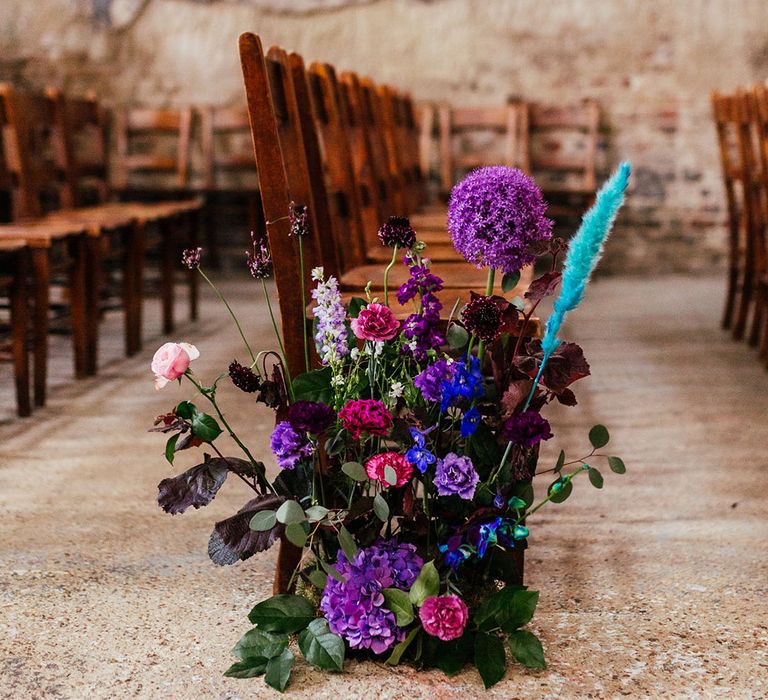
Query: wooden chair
x=14 y=269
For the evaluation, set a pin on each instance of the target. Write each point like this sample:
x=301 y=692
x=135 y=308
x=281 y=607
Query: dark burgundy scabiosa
x=528 y=429
x=355 y=606
x=259 y=260
x=488 y=317
x=495 y=216
x=190 y=258
x=397 y=232
x=311 y=416
x=299 y=218
x=244 y=378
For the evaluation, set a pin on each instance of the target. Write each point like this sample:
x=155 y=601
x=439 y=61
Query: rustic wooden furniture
x=760 y=101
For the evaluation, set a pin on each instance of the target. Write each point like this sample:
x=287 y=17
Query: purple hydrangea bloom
x=355 y=608
x=495 y=215
x=288 y=445
x=430 y=381
x=528 y=428
x=456 y=475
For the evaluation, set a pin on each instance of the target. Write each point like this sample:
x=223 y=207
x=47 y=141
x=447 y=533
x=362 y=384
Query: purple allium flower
x=289 y=446
x=444 y=617
x=190 y=257
x=397 y=232
x=495 y=214
x=528 y=429
x=430 y=381
x=310 y=416
x=331 y=336
x=456 y=475
x=299 y=218
x=258 y=260
x=355 y=608
x=244 y=378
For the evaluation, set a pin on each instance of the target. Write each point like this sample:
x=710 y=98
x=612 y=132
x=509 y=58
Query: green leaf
x=205 y=427
x=290 y=512
x=186 y=409
x=526 y=648
x=319 y=579
x=525 y=492
x=283 y=613
x=355 y=471
x=332 y=571
x=170 y=447
x=336 y=445
x=390 y=476
x=355 y=305
x=599 y=436
x=259 y=644
x=314 y=386
x=399 y=649
x=457 y=336
x=321 y=647
x=516 y=503
x=247 y=669
x=519 y=611
x=490 y=658
x=426 y=584
x=595 y=478
x=315 y=513
x=560 y=461
x=563 y=492
x=263 y=520
x=399 y=603
x=296 y=534
x=617 y=465
x=347 y=543
x=380 y=508
x=453 y=656
x=509 y=281
x=278 y=671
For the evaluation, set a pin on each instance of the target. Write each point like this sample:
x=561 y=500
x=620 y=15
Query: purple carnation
x=355 y=608
x=495 y=216
x=456 y=475
x=528 y=428
x=430 y=381
x=288 y=445
x=310 y=416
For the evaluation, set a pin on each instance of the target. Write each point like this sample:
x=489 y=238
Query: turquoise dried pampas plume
x=584 y=252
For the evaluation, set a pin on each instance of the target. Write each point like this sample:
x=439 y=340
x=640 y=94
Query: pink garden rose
x=444 y=617
x=376 y=466
x=375 y=322
x=171 y=361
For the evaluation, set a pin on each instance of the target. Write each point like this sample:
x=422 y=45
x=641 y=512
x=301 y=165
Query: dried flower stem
x=303 y=302
x=386 y=274
x=279 y=339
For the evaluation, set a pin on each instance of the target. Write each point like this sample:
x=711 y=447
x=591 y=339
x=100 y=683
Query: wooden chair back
x=457 y=125
x=152 y=149
x=408 y=140
x=225 y=135
x=425 y=119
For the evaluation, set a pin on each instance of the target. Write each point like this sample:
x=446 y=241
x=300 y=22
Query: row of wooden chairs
x=53 y=162
x=741 y=120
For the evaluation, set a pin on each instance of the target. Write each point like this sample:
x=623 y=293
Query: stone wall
x=650 y=63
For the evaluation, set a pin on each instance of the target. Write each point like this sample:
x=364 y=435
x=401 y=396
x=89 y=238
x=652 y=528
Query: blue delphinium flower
x=469 y=422
x=466 y=383
x=419 y=456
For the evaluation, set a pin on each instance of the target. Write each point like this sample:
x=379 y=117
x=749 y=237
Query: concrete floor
x=656 y=586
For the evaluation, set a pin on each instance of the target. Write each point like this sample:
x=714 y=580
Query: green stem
x=279 y=338
x=564 y=481
x=231 y=313
x=488 y=292
x=501 y=464
x=386 y=275
x=303 y=303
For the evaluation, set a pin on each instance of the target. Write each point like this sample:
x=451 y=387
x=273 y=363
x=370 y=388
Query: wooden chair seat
x=40 y=233
x=97 y=218
x=437 y=252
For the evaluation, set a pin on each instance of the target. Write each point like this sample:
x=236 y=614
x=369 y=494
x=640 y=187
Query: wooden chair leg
x=288 y=558
x=730 y=297
x=138 y=277
x=131 y=289
x=41 y=274
x=167 y=269
x=193 y=276
x=763 y=344
x=19 y=332
x=744 y=304
x=85 y=289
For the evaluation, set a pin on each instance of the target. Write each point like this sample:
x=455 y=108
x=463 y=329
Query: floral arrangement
x=407 y=458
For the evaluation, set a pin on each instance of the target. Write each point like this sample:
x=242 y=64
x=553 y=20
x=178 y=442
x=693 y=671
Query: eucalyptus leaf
x=617 y=465
x=598 y=436
x=560 y=461
x=290 y=512
x=563 y=492
x=427 y=584
x=490 y=658
x=457 y=336
x=321 y=647
x=399 y=603
x=595 y=478
x=355 y=470
x=315 y=513
x=380 y=508
x=263 y=520
x=390 y=476
x=509 y=281
x=296 y=534
x=278 y=671
x=347 y=543
x=526 y=648
x=319 y=579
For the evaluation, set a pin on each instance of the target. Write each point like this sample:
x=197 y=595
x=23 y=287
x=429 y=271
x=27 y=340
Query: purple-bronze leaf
x=233 y=540
x=566 y=365
x=195 y=487
x=543 y=286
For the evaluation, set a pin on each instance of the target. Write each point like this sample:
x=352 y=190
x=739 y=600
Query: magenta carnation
x=495 y=216
x=377 y=465
x=369 y=416
x=375 y=322
x=444 y=617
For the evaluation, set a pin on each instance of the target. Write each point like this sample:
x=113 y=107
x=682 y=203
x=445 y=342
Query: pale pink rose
x=375 y=322
x=171 y=361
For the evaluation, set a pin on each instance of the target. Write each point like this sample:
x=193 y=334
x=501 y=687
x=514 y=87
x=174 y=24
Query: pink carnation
x=171 y=361
x=377 y=465
x=375 y=322
x=366 y=416
x=444 y=617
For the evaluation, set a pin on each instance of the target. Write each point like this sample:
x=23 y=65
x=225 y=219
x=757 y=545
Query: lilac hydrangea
x=495 y=215
x=289 y=445
x=456 y=475
x=430 y=381
x=355 y=608
x=331 y=335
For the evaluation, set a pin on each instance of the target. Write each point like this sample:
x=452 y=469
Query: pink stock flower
x=444 y=617
x=377 y=465
x=171 y=361
x=375 y=322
